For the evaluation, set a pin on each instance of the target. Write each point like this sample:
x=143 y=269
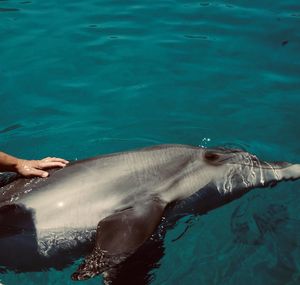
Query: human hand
x=30 y=168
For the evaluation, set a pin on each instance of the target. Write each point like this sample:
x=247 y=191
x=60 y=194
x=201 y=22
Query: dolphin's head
x=239 y=170
x=221 y=156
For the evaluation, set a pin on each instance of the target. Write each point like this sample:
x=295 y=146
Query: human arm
x=29 y=168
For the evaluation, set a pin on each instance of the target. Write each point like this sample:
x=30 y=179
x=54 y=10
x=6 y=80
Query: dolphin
x=105 y=208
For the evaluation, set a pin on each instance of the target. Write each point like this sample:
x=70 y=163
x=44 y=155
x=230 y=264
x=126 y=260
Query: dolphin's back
x=89 y=190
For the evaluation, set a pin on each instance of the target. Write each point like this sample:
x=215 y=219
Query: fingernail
x=45 y=174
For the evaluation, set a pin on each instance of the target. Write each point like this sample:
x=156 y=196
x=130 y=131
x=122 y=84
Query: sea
x=85 y=78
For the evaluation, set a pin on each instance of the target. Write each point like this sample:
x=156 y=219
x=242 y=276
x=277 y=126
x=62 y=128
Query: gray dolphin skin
x=105 y=208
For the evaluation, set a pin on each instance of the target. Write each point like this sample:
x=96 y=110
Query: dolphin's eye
x=211 y=156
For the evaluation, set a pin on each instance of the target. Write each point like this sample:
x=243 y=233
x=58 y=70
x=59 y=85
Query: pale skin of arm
x=29 y=168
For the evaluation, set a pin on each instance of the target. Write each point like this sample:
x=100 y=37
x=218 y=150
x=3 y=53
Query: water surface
x=81 y=78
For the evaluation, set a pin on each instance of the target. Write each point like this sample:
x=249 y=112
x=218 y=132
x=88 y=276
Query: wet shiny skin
x=73 y=200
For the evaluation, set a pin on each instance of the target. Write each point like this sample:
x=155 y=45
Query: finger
x=50 y=164
x=55 y=159
x=37 y=172
x=46 y=158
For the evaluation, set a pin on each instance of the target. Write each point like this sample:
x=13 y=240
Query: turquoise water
x=81 y=78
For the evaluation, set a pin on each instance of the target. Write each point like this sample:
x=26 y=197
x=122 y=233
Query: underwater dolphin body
x=107 y=207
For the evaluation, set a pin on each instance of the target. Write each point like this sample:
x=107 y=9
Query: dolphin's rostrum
x=107 y=207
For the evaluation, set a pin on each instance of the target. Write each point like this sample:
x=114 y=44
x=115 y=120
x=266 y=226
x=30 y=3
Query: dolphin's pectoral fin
x=120 y=235
x=96 y=263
